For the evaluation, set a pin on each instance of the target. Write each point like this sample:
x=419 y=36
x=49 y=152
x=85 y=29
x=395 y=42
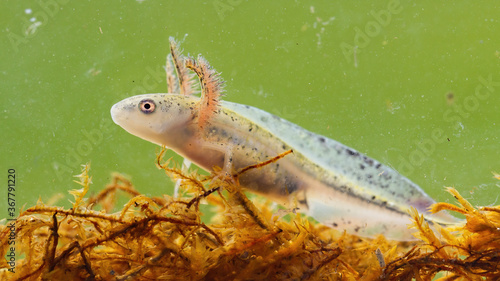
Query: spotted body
x=335 y=184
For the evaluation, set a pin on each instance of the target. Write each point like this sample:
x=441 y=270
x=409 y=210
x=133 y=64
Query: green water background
x=414 y=85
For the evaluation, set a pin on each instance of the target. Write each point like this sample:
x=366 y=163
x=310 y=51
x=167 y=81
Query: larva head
x=154 y=117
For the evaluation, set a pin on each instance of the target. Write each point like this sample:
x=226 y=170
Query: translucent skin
x=333 y=183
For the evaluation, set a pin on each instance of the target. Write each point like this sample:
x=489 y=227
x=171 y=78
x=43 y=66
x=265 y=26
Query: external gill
x=211 y=88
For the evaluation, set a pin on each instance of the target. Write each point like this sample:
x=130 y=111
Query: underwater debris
x=164 y=238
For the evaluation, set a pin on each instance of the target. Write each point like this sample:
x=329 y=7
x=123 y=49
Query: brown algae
x=162 y=238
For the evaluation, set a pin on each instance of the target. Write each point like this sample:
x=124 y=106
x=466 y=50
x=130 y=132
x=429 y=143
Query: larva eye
x=147 y=106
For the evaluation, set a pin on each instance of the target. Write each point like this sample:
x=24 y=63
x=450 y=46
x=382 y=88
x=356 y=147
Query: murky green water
x=415 y=86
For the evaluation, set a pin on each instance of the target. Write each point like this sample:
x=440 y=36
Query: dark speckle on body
x=351 y=152
x=368 y=160
x=291 y=186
